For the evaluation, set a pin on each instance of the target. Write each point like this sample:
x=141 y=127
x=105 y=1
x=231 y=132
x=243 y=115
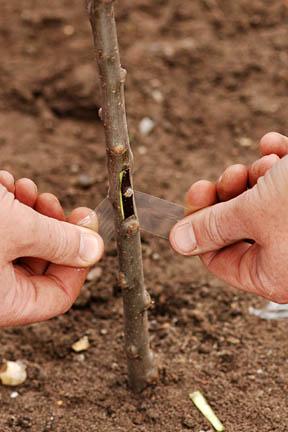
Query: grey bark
x=136 y=300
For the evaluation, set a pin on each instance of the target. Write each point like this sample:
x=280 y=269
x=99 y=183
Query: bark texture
x=141 y=365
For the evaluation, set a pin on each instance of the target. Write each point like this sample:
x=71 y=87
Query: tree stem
x=141 y=367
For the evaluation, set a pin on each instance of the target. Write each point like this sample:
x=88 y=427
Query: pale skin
x=245 y=203
x=44 y=257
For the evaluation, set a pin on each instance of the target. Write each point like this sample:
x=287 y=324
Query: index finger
x=274 y=142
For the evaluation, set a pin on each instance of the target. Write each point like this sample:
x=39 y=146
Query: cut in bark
x=141 y=365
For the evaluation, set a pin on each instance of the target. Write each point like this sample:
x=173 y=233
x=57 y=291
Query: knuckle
x=59 y=242
x=17 y=228
x=25 y=228
x=215 y=231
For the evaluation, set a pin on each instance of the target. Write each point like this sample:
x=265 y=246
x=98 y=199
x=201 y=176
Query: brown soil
x=210 y=73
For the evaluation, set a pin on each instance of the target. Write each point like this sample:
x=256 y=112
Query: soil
x=212 y=74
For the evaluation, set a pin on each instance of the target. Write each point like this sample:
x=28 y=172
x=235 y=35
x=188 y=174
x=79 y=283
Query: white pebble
x=146 y=126
x=94 y=274
x=156 y=256
x=81 y=345
x=14 y=395
x=245 y=142
x=157 y=96
x=13 y=373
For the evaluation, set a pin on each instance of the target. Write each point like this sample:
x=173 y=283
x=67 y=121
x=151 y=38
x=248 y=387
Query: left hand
x=43 y=259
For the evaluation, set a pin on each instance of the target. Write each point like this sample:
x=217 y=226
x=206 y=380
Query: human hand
x=218 y=233
x=43 y=259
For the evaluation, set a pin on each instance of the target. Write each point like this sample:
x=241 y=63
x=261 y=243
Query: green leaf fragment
x=121 y=198
x=200 y=402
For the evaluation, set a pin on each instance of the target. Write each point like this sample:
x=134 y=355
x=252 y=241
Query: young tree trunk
x=141 y=367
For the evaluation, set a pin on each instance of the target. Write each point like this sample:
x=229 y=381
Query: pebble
x=146 y=126
x=245 y=142
x=156 y=256
x=94 y=274
x=157 y=96
x=14 y=395
x=12 y=373
x=81 y=345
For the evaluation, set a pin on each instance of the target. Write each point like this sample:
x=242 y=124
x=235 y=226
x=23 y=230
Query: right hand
x=231 y=213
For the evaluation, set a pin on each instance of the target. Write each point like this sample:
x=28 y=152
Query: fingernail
x=184 y=238
x=90 y=221
x=89 y=248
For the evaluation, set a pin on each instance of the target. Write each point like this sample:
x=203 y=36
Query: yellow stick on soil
x=200 y=402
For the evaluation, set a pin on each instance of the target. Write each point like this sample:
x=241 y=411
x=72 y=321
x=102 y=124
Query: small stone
x=94 y=274
x=81 y=345
x=157 y=96
x=85 y=181
x=245 y=142
x=142 y=150
x=103 y=332
x=60 y=403
x=12 y=373
x=14 y=395
x=146 y=126
x=156 y=256
x=68 y=30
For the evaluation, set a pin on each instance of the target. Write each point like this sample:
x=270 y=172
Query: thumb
x=211 y=229
x=36 y=235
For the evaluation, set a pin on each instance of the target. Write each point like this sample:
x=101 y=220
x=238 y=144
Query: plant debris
x=200 y=402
